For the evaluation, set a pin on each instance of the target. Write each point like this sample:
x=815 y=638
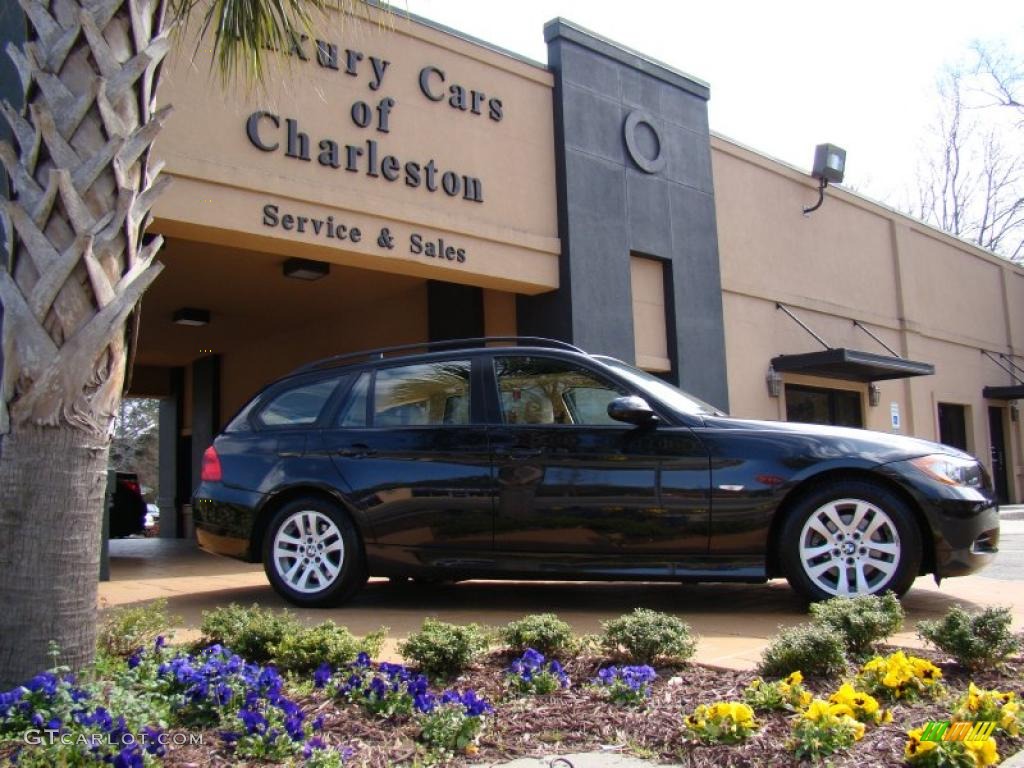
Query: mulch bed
x=578 y=720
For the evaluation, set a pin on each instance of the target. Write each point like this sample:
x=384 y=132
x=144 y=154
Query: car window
x=298 y=406
x=422 y=395
x=539 y=390
x=353 y=410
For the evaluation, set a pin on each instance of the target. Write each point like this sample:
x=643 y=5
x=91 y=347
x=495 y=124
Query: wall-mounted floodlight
x=774 y=381
x=874 y=395
x=829 y=166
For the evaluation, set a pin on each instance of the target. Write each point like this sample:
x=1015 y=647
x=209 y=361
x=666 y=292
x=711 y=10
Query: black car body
x=127 y=506
x=539 y=461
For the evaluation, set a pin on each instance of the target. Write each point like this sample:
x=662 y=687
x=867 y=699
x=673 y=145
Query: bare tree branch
x=971 y=177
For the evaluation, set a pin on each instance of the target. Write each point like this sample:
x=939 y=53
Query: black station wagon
x=539 y=461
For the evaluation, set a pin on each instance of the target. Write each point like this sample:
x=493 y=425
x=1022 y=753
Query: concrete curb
x=615 y=760
x=608 y=759
x=1014 y=761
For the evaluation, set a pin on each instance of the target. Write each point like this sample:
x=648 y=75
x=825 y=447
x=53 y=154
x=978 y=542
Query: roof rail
x=381 y=352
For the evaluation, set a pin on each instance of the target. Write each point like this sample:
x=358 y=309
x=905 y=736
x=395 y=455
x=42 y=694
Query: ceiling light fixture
x=191 y=316
x=306 y=269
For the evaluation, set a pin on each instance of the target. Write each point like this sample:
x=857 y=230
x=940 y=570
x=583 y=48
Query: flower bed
x=506 y=704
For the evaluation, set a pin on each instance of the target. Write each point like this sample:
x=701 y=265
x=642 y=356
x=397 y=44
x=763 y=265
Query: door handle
x=357 y=451
x=519 y=453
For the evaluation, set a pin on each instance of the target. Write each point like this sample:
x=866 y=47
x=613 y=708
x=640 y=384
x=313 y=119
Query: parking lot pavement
x=1009 y=565
x=734 y=621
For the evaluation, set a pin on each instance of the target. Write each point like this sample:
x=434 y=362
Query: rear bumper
x=224 y=519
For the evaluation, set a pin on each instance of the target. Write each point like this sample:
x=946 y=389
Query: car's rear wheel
x=849 y=538
x=311 y=553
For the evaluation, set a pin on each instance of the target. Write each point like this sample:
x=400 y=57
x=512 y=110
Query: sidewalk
x=1011 y=512
x=734 y=621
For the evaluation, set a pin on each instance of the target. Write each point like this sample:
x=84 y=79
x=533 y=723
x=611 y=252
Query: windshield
x=661 y=390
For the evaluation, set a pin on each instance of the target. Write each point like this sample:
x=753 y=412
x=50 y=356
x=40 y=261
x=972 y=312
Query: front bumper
x=964 y=521
x=967 y=544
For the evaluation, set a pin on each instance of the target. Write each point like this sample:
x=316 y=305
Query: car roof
x=430 y=350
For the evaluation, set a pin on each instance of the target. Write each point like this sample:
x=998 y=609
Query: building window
x=650 y=326
x=953 y=425
x=814 y=405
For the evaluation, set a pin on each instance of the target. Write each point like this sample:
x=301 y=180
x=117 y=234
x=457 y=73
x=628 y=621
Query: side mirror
x=632 y=410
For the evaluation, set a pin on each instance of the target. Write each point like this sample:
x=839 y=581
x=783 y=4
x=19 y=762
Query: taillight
x=131 y=485
x=211 y=466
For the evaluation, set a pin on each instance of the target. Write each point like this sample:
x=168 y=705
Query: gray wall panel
x=610 y=207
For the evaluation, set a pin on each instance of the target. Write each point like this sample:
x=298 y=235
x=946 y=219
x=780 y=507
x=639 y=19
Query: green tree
x=76 y=263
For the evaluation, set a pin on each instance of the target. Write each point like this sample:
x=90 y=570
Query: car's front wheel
x=849 y=538
x=311 y=553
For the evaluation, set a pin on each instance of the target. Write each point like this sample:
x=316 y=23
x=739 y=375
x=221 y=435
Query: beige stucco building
x=925 y=295
x=398 y=182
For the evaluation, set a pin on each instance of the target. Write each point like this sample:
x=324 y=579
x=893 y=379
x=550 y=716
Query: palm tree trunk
x=83 y=187
x=48 y=555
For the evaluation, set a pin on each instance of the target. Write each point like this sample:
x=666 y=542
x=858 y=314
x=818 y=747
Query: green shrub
x=440 y=649
x=126 y=630
x=544 y=632
x=447 y=729
x=645 y=635
x=976 y=642
x=251 y=632
x=808 y=648
x=862 y=621
x=305 y=650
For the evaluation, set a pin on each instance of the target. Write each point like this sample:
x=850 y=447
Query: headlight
x=951 y=470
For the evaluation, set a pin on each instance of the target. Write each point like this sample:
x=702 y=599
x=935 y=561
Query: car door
x=571 y=479
x=411 y=448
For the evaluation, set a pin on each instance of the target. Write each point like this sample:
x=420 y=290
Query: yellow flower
x=893 y=679
x=472 y=749
x=886 y=716
x=858 y=730
x=840 y=710
x=984 y=752
x=925 y=670
x=915 y=746
x=817 y=710
x=795 y=678
x=973 y=697
x=742 y=714
x=844 y=695
x=805 y=698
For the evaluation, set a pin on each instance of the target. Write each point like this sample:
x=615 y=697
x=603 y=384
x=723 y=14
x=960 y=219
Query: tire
x=850 y=538
x=312 y=554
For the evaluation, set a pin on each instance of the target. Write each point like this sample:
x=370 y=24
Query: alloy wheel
x=308 y=551
x=849 y=547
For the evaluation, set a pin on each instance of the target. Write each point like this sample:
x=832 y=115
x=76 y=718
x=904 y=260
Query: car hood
x=882 y=447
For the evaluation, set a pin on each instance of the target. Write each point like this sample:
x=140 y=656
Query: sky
x=784 y=75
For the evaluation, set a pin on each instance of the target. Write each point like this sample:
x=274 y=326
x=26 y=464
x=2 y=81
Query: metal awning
x=851 y=365
x=1016 y=392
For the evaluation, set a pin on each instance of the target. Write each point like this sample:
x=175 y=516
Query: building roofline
x=865 y=201
x=563 y=28
x=383 y=5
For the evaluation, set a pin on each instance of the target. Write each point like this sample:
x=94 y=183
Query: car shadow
x=713 y=610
